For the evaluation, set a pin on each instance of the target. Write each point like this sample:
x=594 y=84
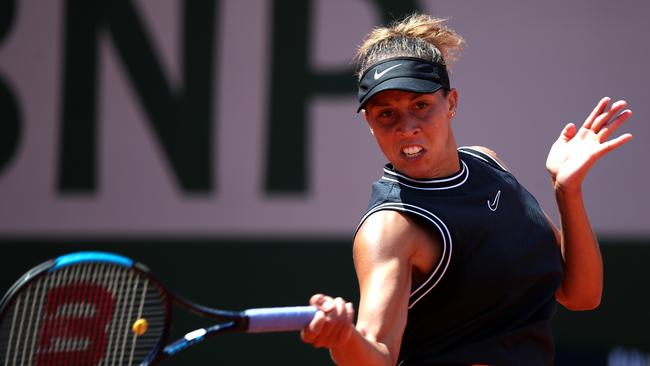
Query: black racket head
x=87 y=309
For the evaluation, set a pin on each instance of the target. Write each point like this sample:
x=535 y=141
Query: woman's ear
x=452 y=101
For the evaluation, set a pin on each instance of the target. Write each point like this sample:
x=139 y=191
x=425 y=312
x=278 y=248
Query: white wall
x=530 y=66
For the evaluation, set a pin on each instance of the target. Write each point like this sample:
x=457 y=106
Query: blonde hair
x=417 y=35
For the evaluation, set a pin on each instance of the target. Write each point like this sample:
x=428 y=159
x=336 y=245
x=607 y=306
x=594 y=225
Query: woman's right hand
x=332 y=325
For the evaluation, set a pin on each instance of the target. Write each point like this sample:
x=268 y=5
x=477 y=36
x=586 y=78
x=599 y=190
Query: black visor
x=402 y=73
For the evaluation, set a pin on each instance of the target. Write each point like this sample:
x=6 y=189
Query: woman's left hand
x=576 y=150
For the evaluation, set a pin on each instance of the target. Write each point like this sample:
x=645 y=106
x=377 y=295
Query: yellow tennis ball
x=140 y=326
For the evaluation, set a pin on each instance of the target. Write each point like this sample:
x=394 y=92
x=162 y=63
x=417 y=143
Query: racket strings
x=82 y=315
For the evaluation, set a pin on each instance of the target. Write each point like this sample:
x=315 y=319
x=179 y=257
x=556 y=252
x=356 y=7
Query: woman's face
x=413 y=131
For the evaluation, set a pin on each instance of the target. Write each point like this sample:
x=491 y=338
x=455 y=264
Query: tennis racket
x=96 y=308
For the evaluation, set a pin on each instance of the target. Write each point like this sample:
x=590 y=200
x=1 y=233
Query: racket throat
x=198 y=335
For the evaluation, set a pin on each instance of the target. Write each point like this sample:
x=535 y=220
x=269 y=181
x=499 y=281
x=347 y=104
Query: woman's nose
x=409 y=126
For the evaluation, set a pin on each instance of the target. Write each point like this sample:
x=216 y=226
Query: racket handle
x=279 y=319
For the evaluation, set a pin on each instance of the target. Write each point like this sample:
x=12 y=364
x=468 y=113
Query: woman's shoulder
x=389 y=233
x=485 y=154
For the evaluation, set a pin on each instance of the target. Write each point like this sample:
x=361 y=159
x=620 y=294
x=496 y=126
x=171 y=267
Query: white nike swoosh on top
x=380 y=74
x=494 y=205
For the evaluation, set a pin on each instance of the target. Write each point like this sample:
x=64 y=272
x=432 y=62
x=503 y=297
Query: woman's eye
x=386 y=114
x=421 y=105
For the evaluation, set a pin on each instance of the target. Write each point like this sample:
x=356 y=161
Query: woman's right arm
x=387 y=247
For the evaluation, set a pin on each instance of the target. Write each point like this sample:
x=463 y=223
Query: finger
x=328 y=305
x=317 y=323
x=349 y=309
x=597 y=110
x=607 y=130
x=316 y=299
x=339 y=311
x=339 y=322
x=568 y=132
x=346 y=330
x=324 y=335
x=340 y=305
x=320 y=333
x=321 y=301
x=604 y=118
x=313 y=329
x=613 y=144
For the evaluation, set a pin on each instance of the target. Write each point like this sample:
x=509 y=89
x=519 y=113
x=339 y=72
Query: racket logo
x=74 y=327
x=92 y=308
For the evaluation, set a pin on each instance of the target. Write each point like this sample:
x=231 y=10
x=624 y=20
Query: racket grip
x=281 y=319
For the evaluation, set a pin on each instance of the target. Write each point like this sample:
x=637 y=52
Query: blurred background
x=217 y=142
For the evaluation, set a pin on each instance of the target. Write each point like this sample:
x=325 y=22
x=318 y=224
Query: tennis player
x=456 y=262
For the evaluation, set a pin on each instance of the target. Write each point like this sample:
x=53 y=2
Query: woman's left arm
x=569 y=160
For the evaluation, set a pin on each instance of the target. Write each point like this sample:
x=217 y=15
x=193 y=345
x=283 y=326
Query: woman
x=456 y=262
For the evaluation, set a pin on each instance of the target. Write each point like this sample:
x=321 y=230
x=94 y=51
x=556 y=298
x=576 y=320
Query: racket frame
x=85 y=257
x=232 y=321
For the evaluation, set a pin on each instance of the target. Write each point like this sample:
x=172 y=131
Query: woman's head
x=406 y=97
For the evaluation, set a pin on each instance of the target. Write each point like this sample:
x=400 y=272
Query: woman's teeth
x=411 y=151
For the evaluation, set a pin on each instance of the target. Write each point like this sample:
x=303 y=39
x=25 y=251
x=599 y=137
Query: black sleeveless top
x=491 y=296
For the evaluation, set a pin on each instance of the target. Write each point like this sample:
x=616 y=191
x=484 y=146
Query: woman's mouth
x=412 y=151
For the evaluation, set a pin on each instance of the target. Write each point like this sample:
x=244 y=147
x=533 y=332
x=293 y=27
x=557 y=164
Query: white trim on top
x=391 y=172
x=465 y=169
x=445 y=257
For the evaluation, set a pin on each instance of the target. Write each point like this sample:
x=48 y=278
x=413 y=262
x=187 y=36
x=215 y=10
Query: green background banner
x=240 y=273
